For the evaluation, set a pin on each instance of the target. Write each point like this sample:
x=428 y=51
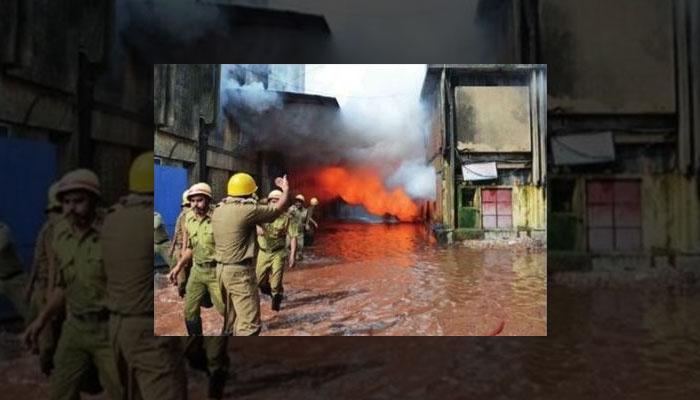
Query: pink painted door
x=496 y=208
x=614 y=220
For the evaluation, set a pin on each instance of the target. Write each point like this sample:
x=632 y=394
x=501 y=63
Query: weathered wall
x=437 y=212
x=433 y=96
x=529 y=207
x=448 y=194
x=493 y=118
x=218 y=178
x=183 y=94
x=670 y=211
x=608 y=56
x=48 y=54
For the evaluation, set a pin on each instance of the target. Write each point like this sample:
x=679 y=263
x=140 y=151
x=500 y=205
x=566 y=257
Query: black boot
x=194 y=327
x=276 y=302
x=266 y=289
x=196 y=356
x=206 y=301
x=217 y=383
x=90 y=381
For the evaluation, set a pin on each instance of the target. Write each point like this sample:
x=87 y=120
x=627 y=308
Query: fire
x=366 y=188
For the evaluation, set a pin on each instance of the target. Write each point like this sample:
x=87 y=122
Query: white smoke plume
x=381 y=123
x=251 y=97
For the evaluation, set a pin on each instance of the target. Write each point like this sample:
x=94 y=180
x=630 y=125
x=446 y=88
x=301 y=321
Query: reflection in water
x=379 y=279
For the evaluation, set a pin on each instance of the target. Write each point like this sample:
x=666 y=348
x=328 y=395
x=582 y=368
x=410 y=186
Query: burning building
x=345 y=156
x=215 y=120
x=488 y=146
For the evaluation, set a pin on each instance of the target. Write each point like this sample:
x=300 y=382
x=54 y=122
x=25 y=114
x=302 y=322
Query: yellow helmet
x=185 y=200
x=199 y=188
x=79 y=179
x=241 y=184
x=275 y=194
x=313 y=201
x=53 y=199
x=300 y=197
x=141 y=173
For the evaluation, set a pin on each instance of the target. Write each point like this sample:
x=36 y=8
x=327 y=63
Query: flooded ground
x=632 y=339
x=379 y=279
x=633 y=342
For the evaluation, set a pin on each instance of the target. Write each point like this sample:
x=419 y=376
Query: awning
x=583 y=148
x=479 y=171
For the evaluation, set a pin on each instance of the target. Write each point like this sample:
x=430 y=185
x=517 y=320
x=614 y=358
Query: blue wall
x=27 y=169
x=170 y=182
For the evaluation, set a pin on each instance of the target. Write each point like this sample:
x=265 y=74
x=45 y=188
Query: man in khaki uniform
x=234 y=222
x=199 y=242
x=272 y=255
x=311 y=226
x=150 y=367
x=202 y=284
x=81 y=289
x=301 y=218
x=161 y=241
x=13 y=279
x=176 y=247
x=42 y=282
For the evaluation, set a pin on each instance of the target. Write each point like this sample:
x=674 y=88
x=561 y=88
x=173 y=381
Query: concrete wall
x=529 y=207
x=670 y=213
x=609 y=56
x=493 y=118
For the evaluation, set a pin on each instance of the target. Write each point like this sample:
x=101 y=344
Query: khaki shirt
x=300 y=216
x=44 y=258
x=160 y=235
x=10 y=263
x=80 y=269
x=180 y=226
x=234 y=223
x=276 y=231
x=128 y=255
x=200 y=237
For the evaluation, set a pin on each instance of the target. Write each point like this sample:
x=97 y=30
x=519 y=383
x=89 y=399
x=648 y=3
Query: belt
x=273 y=249
x=94 y=316
x=245 y=263
x=162 y=241
x=208 y=264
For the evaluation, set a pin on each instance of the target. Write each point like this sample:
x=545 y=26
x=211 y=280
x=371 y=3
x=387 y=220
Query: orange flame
x=366 y=188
